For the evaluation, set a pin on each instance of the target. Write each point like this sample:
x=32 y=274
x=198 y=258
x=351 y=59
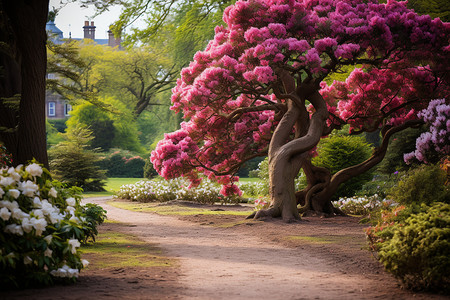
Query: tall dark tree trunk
x=24 y=62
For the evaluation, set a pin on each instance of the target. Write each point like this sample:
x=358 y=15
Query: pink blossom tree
x=258 y=89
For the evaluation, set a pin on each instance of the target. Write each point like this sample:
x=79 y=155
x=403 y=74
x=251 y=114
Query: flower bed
x=42 y=224
x=174 y=189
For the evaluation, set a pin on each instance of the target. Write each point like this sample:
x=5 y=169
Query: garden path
x=219 y=263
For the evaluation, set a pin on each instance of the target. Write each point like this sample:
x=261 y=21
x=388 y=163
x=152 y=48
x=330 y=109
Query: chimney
x=89 y=31
x=113 y=41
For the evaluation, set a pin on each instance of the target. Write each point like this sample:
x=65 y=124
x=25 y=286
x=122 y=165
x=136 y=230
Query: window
x=67 y=109
x=51 y=109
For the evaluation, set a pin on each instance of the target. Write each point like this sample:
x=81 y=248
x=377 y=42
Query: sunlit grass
x=178 y=210
x=115 y=249
x=112 y=186
x=335 y=239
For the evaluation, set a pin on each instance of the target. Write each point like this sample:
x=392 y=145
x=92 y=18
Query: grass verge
x=119 y=250
x=172 y=209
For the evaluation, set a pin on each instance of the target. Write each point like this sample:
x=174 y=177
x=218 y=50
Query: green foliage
x=249 y=166
x=434 y=8
x=53 y=136
x=263 y=168
x=122 y=163
x=425 y=184
x=73 y=163
x=41 y=226
x=379 y=185
x=338 y=152
x=255 y=189
x=99 y=122
x=417 y=251
x=402 y=142
x=95 y=215
x=149 y=170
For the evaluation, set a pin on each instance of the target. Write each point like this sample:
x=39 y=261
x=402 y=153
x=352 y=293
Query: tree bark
x=23 y=29
x=286 y=158
x=317 y=199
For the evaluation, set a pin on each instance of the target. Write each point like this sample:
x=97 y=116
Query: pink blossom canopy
x=231 y=94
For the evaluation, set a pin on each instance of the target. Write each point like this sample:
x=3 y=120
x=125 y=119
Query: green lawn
x=112 y=185
x=245 y=180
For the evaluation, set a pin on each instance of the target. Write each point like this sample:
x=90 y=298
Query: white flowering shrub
x=362 y=205
x=41 y=226
x=255 y=189
x=174 y=189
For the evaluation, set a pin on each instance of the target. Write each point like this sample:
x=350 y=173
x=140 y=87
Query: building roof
x=54 y=32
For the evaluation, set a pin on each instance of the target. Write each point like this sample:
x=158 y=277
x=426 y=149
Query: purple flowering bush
x=437 y=139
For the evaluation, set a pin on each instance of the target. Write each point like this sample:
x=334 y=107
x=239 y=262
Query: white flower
x=37 y=202
x=14 y=193
x=65 y=271
x=34 y=169
x=28 y=188
x=39 y=225
x=38 y=213
x=71 y=201
x=53 y=193
x=5 y=213
x=48 y=239
x=47 y=208
x=9 y=204
x=2 y=192
x=27 y=225
x=18 y=214
x=85 y=263
x=48 y=252
x=14 y=229
x=74 y=244
x=5 y=181
x=27 y=260
x=74 y=219
x=55 y=217
x=12 y=172
x=19 y=168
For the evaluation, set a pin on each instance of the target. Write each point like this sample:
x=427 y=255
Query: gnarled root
x=274 y=212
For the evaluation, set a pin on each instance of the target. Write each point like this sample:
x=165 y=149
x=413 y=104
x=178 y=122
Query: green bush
x=41 y=226
x=379 y=185
x=122 y=164
x=417 y=251
x=425 y=184
x=149 y=170
x=338 y=152
x=73 y=163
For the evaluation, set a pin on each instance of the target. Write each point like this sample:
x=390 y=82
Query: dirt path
x=219 y=263
x=312 y=259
